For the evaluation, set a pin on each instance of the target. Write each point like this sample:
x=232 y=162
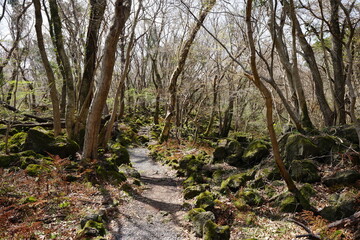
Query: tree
x=122 y=12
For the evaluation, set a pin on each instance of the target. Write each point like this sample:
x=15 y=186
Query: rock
x=343 y=205
x=9 y=160
x=189 y=165
x=256 y=183
x=92 y=217
x=92 y=229
x=346 y=177
x=271 y=174
x=35 y=170
x=326 y=145
x=205 y=200
x=288 y=203
x=298 y=147
x=16 y=142
x=219 y=155
x=250 y=196
x=240 y=204
x=199 y=217
x=193 y=179
x=304 y=171
x=110 y=174
x=129 y=171
x=120 y=154
x=64 y=147
x=193 y=191
x=347 y=132
x=307 y=191
x=234 y=182
x=255 y=152
x=212 y=231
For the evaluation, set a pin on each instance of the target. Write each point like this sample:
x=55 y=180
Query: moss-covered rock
x=205 y=200
x=193 y=179
x=326 y=145
x=212 y=231
x=240 y=204
x=346 y=177
x=108 y=173
x=198 y=218
x=92 y=229
x=189 y=165
x=307 y=191
x=299 y=146
x=219 y=155
x=16 y=142
x=304 y=171
x=344 y=206
x=255 y=152
x=288 y=203
x=270 y=174
x=236 y=181
x=9 y=160
x=35 y=170
x=120 y=154
x=251 y=197
x=347 y=132
x=258 y=182
x=193 y=191
x=63 y=147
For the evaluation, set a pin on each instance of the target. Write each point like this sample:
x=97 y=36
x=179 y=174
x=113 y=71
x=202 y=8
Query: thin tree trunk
x=122 y=13
x=255 y=78
x=49 y=72
x=70 y=91
x=179 y=68
x=213 y=106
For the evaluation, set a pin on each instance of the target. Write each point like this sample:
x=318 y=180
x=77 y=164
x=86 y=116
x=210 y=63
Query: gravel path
x=156 y=212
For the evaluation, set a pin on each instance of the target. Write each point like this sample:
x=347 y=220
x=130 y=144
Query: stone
x=199 y=217
x=93 y=229
x=219 y=155
x=250 y=196
x=255 y=152
x=212 y=231
x=205 y=200
x=304 y=171
x=129 y=171
x=189 y=165
x=298 y=147
x=193 y=191
x=234 y=182
x=120 y=154
x=288 y=203
x=16 y=142
x=346 y=177
x=343 y=205
x=9 y=160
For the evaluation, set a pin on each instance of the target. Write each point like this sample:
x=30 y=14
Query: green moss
x=193 y=191
x=307 y=191
x=236 y=181
x=304 y=171
x=288 y=203
x=205 y=200
x=35 y=170
x=93 y=227
x=16 y=142
x=240 y=204
x=193 y=212
x=30 y=199
x=110 y=175
x=251 y=197
x=212 y=231
x=189 y=165
x=199 y=217
x=255 y=152
x=120 y=155
x=299 y=146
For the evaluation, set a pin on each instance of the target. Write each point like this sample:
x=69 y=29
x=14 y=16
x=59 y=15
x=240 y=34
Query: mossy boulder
x=250 y=196
x=198 y=218
x=236 y=181
x=189 y=165
x=222 y=174
x=347 y=132
x=307 y=191
x=299 y=146
x=120 y=154
x=326 y=144
x=255 y=152
x=288 y=203
x=193 y=191
x=192 y=180
x=346 y=177
x=110 y=174
x=219 y=155
x=35 y=170
x=63 y=147
x=212 y=231
x=304 y=171
x=9 y=160
x=92 y=229
x=270 y=173
x=205 y=200
x=16 y=142
x=344 y=205
x=240 y=204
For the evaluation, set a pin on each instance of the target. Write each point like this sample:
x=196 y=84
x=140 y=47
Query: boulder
x=129 y=171
x=205 y=200
x=193 y=191
x=9 y=160
x=120 y=154
x=255 y=152
x=250 y=196
x=212 y=231
x=299 y=146
x=304 y=171
x=346 y=177
x=16 y=142
x=288 y=203
x=347 y=132
x=199 y=217
x=219 y=155
x=236 y=181
x=35 y=170
x=344 y=206
x=189 y=165
x=92 y=229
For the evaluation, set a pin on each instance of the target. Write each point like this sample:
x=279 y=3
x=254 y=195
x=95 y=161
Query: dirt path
x=156 y=212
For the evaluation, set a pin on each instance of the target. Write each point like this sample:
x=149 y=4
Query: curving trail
x=156 y=212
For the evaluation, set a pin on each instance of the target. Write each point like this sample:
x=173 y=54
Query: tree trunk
x=122 y=13
x=213 y=106
x=70 y=91
x=179 y=68
x=49 y=72
x=255 y=78
x=87 y=82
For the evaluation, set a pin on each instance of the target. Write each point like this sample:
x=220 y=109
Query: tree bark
x=65 y=62
x=54 y=96
x=179 y=68
x=122 y=13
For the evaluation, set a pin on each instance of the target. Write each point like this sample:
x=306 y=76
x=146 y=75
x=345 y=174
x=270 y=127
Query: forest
x=180 y=119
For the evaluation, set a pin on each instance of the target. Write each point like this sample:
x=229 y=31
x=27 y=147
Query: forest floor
x=155 y=210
